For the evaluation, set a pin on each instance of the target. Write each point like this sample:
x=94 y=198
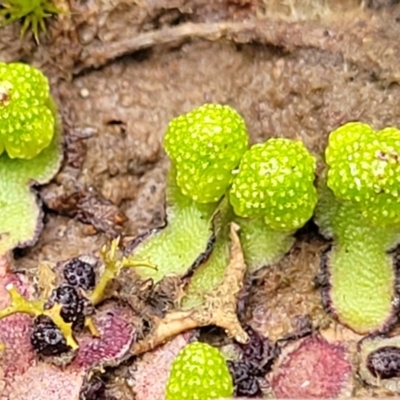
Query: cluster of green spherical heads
x=27 y=123
x=273 y=180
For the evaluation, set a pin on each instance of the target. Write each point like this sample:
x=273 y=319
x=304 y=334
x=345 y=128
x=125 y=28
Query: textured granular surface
x=24 y=376
x=149 y=374
x=316 y=369
x=286 y=292
x=291 y=71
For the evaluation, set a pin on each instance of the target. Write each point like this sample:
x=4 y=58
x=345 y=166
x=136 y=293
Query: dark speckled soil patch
x=286 y=293
x=312 y=77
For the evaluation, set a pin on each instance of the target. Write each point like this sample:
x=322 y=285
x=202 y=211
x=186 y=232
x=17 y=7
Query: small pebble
x=84 y=93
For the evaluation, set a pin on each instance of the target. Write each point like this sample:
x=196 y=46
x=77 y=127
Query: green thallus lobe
x=174 y=248
x=358 y=207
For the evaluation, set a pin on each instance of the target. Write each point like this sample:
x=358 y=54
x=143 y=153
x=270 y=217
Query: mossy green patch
x=33 y=13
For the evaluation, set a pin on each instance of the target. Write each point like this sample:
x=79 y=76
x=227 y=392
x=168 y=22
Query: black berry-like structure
x=253 y=350
x=379 y=365
x=257 y=358
x=384 y=363
x=73 y=304
x=80 y=274
x=244 y=379
x=46 y=337
x=259 y=352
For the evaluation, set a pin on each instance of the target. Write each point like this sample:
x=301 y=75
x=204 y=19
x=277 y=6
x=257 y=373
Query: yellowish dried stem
x=89 y=324
x=112 y=268
x=65 y=328
x=47 y=279
x=20 y=304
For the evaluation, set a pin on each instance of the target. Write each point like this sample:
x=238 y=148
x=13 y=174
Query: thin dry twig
x=106 y=52
x=359 y=40
x=218 y=308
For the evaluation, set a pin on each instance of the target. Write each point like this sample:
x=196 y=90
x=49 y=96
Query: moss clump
x=32 y=12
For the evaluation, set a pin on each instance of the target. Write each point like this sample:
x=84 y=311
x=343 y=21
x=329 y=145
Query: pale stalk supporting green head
x=360 y=210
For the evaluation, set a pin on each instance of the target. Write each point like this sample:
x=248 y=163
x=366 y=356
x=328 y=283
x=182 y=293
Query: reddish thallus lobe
x=153 y=368
x=24 y=377
x=314 y=369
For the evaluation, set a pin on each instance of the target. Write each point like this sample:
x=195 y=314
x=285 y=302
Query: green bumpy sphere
x=276 y=181
x=199 y=372
x=27 y=124
x=205 y=145
x=364 y=168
